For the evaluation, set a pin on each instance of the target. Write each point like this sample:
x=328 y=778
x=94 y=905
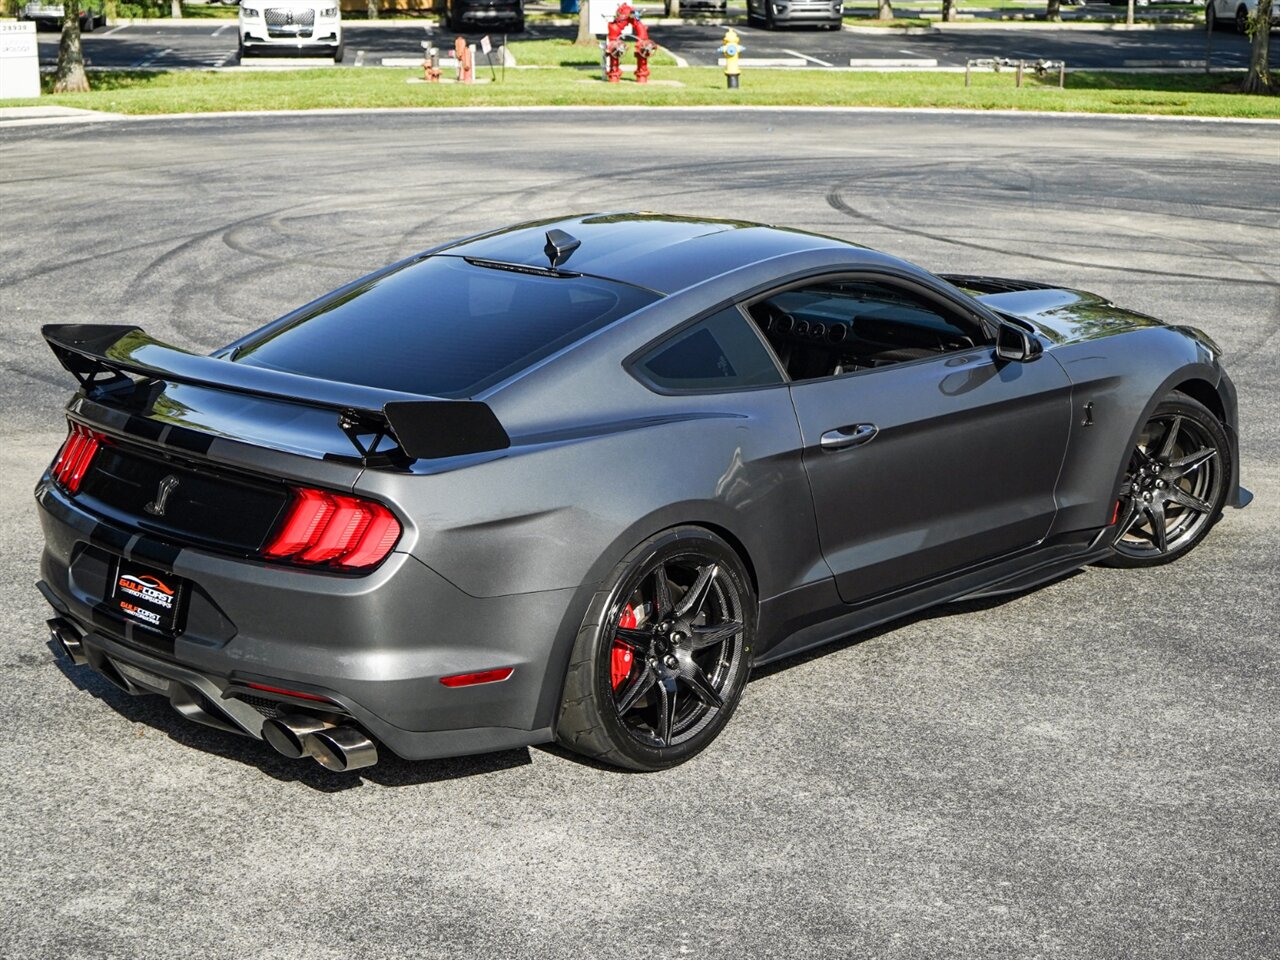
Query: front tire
x=1210 y=18
x=663 y=654
x=1175 y=485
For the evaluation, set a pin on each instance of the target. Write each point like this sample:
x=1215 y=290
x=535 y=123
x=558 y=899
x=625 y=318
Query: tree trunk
x=948 y=10
x=175 y=9
x=69 y=77
x=885 y=10
x=1128 y=12
x=673 y=8
x=371 y=9
x=1054 y=10
x=584 y=38
x=1258 y=80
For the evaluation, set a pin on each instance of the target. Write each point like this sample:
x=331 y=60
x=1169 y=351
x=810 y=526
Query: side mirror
x=1014 y=343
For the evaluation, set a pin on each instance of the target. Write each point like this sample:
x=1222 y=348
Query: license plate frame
x=147 y=597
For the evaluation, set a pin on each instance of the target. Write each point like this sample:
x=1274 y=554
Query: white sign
x=19 y=63
x=599 y=13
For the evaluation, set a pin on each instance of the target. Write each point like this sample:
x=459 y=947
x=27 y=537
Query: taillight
x=333 y=530
x=77 y=453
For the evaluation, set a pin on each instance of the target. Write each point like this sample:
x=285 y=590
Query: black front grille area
x=285 y=22
x=179 y=500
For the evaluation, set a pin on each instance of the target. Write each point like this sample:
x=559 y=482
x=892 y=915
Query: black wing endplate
x=107 y=355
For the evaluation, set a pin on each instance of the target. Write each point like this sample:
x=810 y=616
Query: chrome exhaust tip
x=342 y=749
x=67 y=639
x=289 y=734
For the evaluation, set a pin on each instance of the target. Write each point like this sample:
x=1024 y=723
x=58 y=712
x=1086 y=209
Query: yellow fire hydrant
x=732 y=49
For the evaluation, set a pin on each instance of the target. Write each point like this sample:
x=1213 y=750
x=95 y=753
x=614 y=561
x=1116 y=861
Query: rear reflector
x=77 y=453
x=471 y=679
x=334 y=530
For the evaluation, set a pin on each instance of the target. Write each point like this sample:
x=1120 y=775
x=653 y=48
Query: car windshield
x=443 y=327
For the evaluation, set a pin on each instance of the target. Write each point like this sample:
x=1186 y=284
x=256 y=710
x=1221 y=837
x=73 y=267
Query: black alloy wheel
x=661 y=661
x=1174 y=487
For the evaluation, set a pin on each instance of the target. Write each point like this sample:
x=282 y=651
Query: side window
x=839 y=326
x=721 y=352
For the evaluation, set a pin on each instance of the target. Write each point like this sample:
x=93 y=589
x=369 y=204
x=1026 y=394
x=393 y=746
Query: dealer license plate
x=146 y=596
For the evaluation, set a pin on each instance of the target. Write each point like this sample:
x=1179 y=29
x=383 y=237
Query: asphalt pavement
x=201 y=44
x=1087 y=770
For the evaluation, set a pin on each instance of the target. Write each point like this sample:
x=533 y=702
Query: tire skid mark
x=190 y=242
x=837 y=202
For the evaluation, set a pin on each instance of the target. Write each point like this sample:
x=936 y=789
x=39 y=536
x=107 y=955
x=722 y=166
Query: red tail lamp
x=77 y=452
x=334 y=530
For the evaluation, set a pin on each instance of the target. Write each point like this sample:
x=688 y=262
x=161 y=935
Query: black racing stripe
x=144 y=428
x=155 y=552
x=110 y=538
x=190 y=440
x=122 y=631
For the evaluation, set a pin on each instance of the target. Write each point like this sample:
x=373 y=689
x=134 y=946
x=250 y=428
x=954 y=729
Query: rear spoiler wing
x=106 y=356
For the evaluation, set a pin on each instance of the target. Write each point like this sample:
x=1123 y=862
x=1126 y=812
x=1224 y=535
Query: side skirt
x=806 y=618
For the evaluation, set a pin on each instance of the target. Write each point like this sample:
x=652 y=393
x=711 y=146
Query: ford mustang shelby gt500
x=573 y=479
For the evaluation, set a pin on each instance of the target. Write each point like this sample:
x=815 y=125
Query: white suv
x=1221 y=12
x=286 y=25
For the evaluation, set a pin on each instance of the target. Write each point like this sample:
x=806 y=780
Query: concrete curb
x=727 y=108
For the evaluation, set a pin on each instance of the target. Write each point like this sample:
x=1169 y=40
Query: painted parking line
x=797 y=53
x=151 y=58
x=359 y=58
x=123 y=26
x=891 y=62
x=225 y=26
x=222 y=61
x=767 y=62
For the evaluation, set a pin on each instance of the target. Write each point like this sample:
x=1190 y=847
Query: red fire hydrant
x=466 y=68
x=615 y=47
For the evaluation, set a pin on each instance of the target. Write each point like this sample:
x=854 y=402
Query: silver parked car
x=770 y=13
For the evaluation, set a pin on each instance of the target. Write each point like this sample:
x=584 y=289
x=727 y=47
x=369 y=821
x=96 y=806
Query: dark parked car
x=464 y=14
x=573 y=479
x=92 y=14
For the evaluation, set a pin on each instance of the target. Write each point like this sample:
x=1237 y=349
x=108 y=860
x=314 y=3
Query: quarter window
x=721 y=352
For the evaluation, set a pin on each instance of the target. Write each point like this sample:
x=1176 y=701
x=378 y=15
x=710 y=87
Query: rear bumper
x=375 y=646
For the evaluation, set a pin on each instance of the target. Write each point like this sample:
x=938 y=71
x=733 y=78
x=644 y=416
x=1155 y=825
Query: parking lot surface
x=212 y=43
x=1086 y=770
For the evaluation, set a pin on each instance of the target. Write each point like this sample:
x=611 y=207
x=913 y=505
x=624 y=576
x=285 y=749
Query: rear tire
x=1176 y=483
x=1242 y=21
x=1210 y=18
x=657 y=671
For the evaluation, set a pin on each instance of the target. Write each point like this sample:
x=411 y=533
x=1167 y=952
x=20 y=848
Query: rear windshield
x=443 y=327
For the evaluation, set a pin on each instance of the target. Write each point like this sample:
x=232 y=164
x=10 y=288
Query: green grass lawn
x=157 y=93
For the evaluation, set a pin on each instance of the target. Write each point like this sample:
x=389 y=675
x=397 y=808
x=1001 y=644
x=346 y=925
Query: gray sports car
x=572 y=479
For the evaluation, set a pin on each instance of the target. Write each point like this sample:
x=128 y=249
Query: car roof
x=661 y=252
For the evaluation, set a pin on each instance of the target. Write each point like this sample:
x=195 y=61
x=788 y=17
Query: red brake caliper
x=623 y=655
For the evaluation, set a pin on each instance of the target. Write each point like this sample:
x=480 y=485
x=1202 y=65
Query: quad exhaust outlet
x=333 y=746
x=67 y=639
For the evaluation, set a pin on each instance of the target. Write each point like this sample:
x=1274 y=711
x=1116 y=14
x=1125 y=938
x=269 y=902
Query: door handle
x=851 y=436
